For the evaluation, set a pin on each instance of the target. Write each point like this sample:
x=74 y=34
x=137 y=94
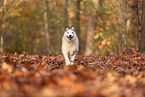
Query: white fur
x=70 y=47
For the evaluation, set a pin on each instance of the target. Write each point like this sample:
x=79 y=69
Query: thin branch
x=138 y=53
x=137 y=12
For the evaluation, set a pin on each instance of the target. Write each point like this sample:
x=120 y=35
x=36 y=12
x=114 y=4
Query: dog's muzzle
x=70 y=37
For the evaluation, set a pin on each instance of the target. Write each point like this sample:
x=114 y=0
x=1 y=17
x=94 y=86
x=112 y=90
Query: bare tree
x=46 y=26
x=1 y=29
x=142 y=41
x=122 y=26
x=66 y=13
x=71 y=16
x=91 y=28
x=78 y=23
x=2 y=42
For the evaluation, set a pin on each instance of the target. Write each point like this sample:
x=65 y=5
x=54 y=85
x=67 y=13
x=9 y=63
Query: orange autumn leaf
x=1 y=10
x=41 y=68
x=123 y=29
x=103 y=42
x=100 y=46
x=101 y=34
x=101 y=29
x=81 y=12
x=111 y=77
x=88 y=36
x=108 y=42
x=54 y=3
x=71 y=14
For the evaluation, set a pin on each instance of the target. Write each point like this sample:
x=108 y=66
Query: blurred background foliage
x=37 y=26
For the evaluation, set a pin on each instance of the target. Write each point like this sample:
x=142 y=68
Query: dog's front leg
x=72 y=58
x=66 y=59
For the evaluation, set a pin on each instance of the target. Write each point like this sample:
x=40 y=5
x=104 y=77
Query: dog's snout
x=70 y=36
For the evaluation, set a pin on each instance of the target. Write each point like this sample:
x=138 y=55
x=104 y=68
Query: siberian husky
x=70 y=45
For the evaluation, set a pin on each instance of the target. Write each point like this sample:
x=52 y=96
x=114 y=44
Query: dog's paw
x=71 y=63
x=68 y=63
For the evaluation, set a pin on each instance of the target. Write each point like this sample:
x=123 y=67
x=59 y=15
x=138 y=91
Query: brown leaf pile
x=25 y=75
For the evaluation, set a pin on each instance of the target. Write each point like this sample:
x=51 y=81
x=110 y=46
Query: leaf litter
x=26 y=75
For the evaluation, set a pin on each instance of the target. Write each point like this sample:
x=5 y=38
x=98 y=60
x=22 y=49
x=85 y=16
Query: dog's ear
x=66 y=28
x=72 y=28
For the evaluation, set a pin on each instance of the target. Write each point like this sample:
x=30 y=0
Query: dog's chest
x=69 y=46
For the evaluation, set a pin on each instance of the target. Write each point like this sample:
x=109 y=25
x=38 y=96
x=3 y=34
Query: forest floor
x=26 y=75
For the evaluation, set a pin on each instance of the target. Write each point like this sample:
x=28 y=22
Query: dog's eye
x=72 y=32
x=67 y=32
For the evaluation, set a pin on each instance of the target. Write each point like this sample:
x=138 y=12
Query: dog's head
x=69 y=34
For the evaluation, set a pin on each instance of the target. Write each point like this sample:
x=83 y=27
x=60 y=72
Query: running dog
x=70 y=45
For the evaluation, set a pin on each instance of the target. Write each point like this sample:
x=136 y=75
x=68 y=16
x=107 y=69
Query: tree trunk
x=46 y=3
x=2 y=31
x=91 y=29
x=78 y=23
x=122 y=26
x=71 y=17
x=66 y=14
x=142 y=41
x=2 y=39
